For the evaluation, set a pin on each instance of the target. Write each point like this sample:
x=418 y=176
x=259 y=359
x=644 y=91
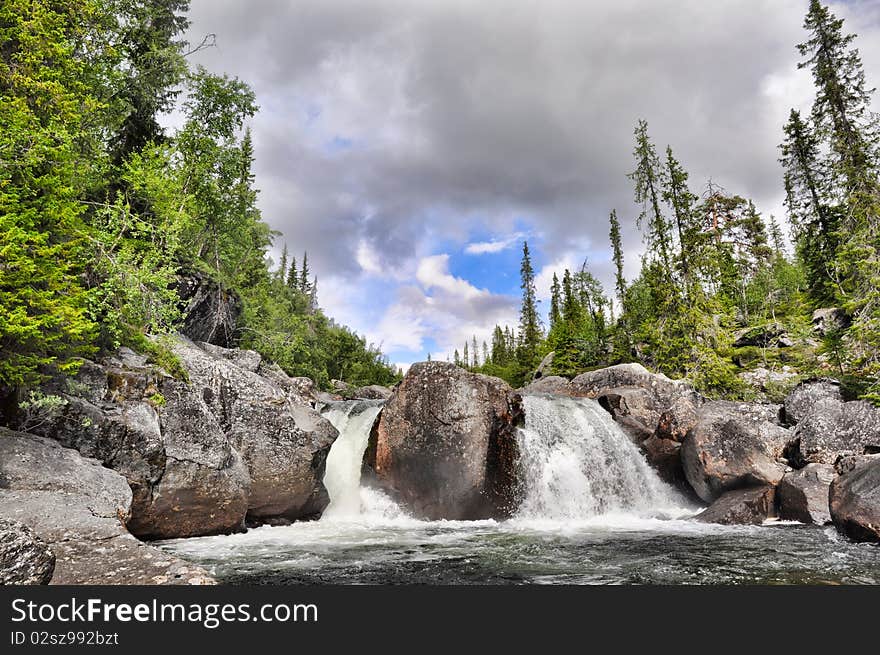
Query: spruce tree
x=649 y=181
x=617 y=257
x=529 y=322
x=554 y=301
x=293 y=275
x=304 y=275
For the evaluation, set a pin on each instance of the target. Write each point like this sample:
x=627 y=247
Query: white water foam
x=578 y=465
x=349 y=501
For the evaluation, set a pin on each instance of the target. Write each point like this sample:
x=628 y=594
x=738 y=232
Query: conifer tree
x=529 y=322
x=293 y=275
x=304 y=274
x=554 y=301
x=617 y=257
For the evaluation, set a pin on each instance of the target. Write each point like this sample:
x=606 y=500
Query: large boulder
x=445 y=444
x=854 y=500
x=79 y=509
x=802 y=495
x=637 y=399
x=186 y=477
x=283 y=441
x=733 y=445
x=236 y=442
x=749 y=506
x=25 y=559
x=809 y=395
x=553 y=384
x=832 y=428
x=211 y=312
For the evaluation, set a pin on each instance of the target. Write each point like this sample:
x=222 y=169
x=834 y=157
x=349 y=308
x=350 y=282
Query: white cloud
x=493 y=245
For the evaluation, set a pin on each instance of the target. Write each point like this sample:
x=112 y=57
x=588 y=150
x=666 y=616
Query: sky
x=411 y=147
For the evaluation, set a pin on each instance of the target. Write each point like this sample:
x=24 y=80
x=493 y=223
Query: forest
x=101 y=208
x=721 y=290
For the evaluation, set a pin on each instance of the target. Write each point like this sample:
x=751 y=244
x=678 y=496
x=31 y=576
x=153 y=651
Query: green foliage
x=39 y=409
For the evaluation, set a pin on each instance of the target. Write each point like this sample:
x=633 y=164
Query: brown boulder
x=854 y=501
x=445 y=444
x=748 y=506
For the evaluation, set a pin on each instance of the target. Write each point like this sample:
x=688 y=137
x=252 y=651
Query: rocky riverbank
x=130 y=453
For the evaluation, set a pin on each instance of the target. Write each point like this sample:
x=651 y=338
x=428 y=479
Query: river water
x=592 y=512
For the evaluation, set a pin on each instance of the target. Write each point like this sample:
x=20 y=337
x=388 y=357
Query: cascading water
x=577 y=464
x=342 y=477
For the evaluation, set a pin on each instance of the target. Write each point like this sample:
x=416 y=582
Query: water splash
x=349 y=501
x=578 y=464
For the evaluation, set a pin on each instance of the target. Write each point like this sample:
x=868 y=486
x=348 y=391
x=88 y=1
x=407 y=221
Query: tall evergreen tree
x=617 y=257
x=649 y=181
x=304 y=274
x=554 y=301
x=529 y=321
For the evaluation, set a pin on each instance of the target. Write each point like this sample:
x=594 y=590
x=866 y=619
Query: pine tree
x=465 y=356
x=617 y=257
x=293 y=275
x=554 y=301
x=304 y=275
x=807 y=195
x=282 y=267
x=475 y=353
x=842 y=108
x=649 y=181
x=682 y=202
x=529 y=322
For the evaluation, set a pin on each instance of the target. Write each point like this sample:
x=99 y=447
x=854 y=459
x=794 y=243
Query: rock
x=749 y=506
x=248 y=360
x=637 y=399
x=762 y=336
x=553 y=384
x=806 y=396
x=665 y=456
x=79 y=509
x=636 y=409
x=830 y=428
x=445 y=444
x=854 y=500
x=25 y=559
x=544 y=366
x=186 y=478
x=284 y=444
x=675 y=421
x=803 y=495
x=211 y=311
x=763 y=379
x=593 y=383
x=733 y=445
x=830 y=319
x=372 y=392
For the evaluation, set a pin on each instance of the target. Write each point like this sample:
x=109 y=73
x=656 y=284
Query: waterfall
x=577 y=463
x=342 y=477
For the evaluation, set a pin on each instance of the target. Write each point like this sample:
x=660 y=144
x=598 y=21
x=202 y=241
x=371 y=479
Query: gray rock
x=803 y=495
x=79 y=509
x=445 y=444
x=593 y=383
x=808 y=395
x=249 y=360
x=25 y=559
x=831 y=428
x=748 y=506
x=762 y=336
x=829 y=319
x=283 y=444
x=553 y=384
x=372 y=392
x=212 y=312
x=855 y=501
x=733 y=445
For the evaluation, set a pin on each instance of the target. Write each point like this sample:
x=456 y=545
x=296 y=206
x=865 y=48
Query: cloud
x=494 y=245
x=461 y=118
